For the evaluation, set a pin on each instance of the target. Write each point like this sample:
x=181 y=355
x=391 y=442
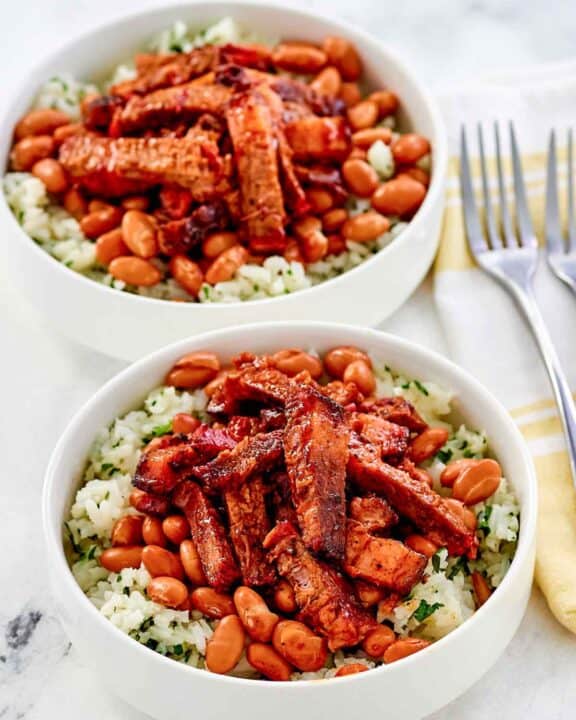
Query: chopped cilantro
x=126 y=590
x=424 y=610
x=468 y=454
x=484 y=518
x=459 y=566
x=177 y=649
x=387 y=368
x=160 y=430
x=436 y=562
x=151 y=643
x=146 y=625
x=421 y=387
x=405 y=386
x=444 y=456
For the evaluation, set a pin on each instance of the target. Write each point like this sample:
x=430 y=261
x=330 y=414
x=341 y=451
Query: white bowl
x=128 y=326
x=406 y=690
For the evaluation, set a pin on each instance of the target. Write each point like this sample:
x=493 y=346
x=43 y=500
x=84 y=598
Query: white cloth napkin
x=482 y=326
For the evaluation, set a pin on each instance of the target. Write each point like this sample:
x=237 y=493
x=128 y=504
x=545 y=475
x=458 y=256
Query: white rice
x=59 y=233
x=442 y=601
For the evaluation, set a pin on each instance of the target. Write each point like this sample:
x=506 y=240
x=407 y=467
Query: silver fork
x=511 y=258
x=561 y=251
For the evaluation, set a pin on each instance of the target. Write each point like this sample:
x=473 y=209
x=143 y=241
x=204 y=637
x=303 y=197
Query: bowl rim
x=53 y=530
x=439 y=146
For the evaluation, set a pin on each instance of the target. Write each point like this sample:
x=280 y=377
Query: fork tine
x=570 y=191
x=493 y=236
x=554 y=241
x=505 y=218
x=474 y=231
x=526 y=231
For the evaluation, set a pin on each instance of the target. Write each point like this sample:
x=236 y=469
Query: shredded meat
x=325 y=600
x=316 y=455
x=373 y=512
x=318 y=138
x=150 y=504
x=392 y=439
x=396 y=410
x=179 y=237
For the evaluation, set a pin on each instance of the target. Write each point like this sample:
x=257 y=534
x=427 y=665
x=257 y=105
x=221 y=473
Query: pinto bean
x=404 y=647
x=427 y=444
x=28 y=151
x=258 y=620
x=176 y=528
x=477 y=482
x=320 y=201
x=365 y=227
x=364 y=139
x=294 y=361
x=75 y=203
x=409 y=148
x=152 y=530
x=337 y=360
x=52 y=175
x=418 y=174
x=95 y=205
x=211 y=387
x=159 y=561
x=191 y=562
x=70 y=130
x=101 y=221
x=134 y=271
x=334 y=219
x=225 y=647
x=226 y=264
x=215 y=244
x=453 y=470
x=350 y=669
x=368 y=594
x=211 y=603
x=360 y=373
x=136 y=202
x=116 y=559
x=313 y=242
x=421 y=545
x=360 y=177
x=268 y=662
x=110 y=246
x=400 y=196
x=184 y=423
x=167 y=591
x=343 y=55
x=187 y=273
x=387 y=102
x=40 y=122
x=284 y=598
x=292 y=252
x=127 y=530
x=299 y=58
x=194 y=370
x=297 y=644
x=350 y=94
x=328 y=82
x=482 y=590
x=363 y=115
x=378 y=641
x=139 y=231
x=464 y=513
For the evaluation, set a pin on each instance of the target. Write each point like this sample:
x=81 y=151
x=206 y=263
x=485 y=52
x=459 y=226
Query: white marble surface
x=45 y=378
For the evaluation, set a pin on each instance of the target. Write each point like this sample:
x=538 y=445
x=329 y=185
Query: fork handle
x=564 y=399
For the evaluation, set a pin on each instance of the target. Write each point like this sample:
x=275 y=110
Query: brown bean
x=334 y=219
x=211 y=387
x=184 y=423
x=360 y=373
x=409 y=148
x=284 y=598
x=136 y=202
x=328 y=82
x=427 y=444
x=187 y=273
x=297 y=644
x=225 y=647
x=152 y=529
x=360 y=177
x=336 y=244
x=387 y=102
x=191 y=563
x=26 y=153
x=299 y=58
x=404 y=647
x=364 y=139
x=268 y=662
x=211 y=603
x=75 y=203
x=466 y=515
x=292 y=252
x=368 y=594
x=400 y=196
x=482 y=590
x=40 y=122
x=95 y=205
x=167 y=591
x=139 y=231
x=110 y=246
x=52 y=175
x=421 y=545
x=350 y=94
x=294 y=361
x=350 y=669
x=357 y=153
x=337 y=360
x=343 y=55
x=453 y=470
x=363 y=115
x=134 y=271
x=98 y=222
x=320 y=201
x=258 y=620
x=194 y=370
x=159 y=561
x=127 y=530
x=418 y=174
x=313 y=242
x=365 y=227
x=176 y=528
x=378 y=641
x=477 y=482
x=226 y=264
x=116 y=559
x=215 y=244
x=63 y=132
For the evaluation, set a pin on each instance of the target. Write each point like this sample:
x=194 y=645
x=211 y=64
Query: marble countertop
x=46 y=378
